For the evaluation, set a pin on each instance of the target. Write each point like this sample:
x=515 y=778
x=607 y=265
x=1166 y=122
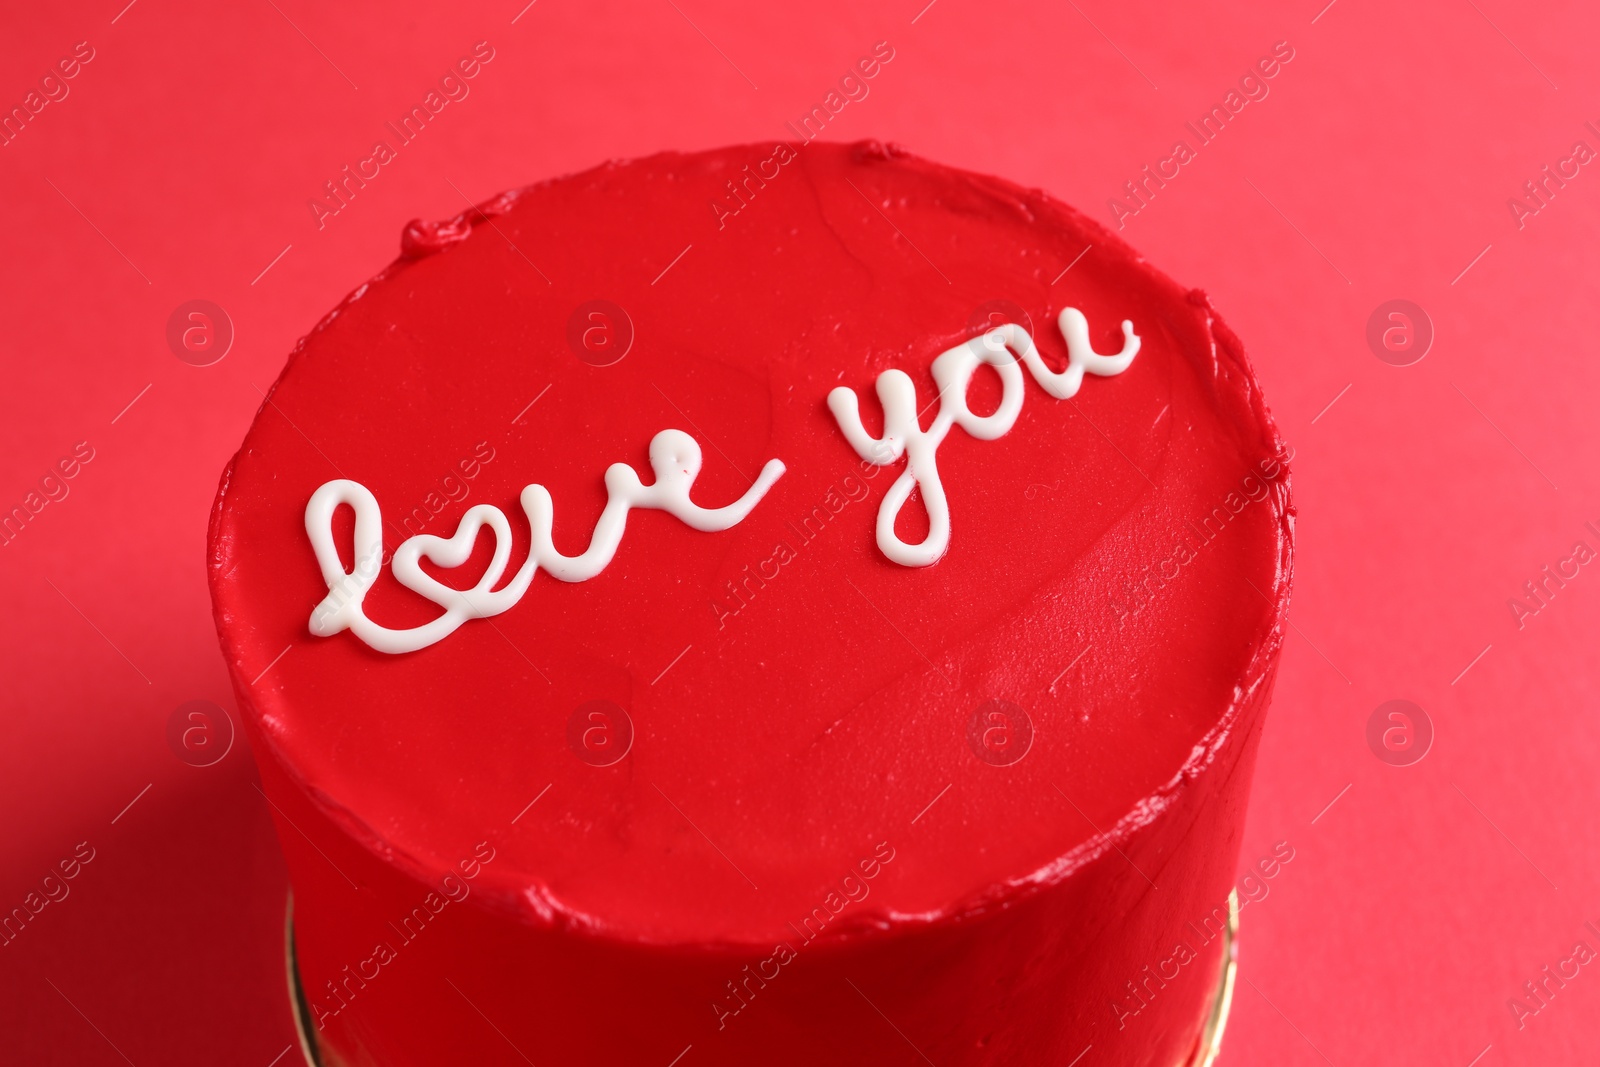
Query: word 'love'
x=674 y=456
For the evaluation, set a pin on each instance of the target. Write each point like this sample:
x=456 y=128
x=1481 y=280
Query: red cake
x=778 y=605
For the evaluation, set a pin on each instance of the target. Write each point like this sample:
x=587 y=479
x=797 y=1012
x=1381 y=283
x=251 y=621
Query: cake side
x=1078 y=962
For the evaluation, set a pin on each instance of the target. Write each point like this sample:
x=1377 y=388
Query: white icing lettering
x=1001 y=348
x=674 y=457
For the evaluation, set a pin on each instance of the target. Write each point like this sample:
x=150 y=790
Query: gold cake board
x=1205 y=1054
x=1217 y=1020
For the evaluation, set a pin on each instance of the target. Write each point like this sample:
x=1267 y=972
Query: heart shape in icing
x=448 y=553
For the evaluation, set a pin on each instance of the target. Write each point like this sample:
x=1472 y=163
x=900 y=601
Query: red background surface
x=1378 y=167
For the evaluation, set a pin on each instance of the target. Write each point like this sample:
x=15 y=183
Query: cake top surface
x=727 y=685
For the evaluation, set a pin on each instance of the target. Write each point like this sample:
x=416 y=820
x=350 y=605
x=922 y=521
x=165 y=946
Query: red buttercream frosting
x=762 y=794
